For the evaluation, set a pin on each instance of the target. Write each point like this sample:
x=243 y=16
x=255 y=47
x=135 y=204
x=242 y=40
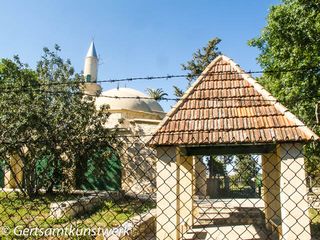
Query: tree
x=291 y=41
x=45 y=118
x=216 y=166
x=200 y=60
x=158 y=94
x=178 y=92
x=246 y=168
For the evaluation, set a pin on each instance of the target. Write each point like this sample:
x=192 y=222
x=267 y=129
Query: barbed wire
x=245 y=98
x=173 y=76
x=207 y=74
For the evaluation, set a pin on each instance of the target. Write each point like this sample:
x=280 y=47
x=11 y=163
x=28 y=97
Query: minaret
x=90 y=71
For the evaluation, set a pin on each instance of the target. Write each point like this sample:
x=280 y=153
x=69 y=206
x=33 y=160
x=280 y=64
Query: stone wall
x=201 y=178
x=139 y=170
x=140 y=227
x=138 y=161
x=73 y=208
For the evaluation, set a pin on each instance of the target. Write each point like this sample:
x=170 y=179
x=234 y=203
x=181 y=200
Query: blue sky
x=133 y=38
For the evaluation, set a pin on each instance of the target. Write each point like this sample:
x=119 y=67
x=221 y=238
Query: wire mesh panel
x=227 y=162
x=262 y=195
x=109 y=195
x=170 y=192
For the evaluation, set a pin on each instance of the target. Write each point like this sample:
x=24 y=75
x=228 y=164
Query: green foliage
x=178 y=92
x=200 y=60
x=246 y=168
x=14 y=208
x=158 y=94
x=216 y=166
x=291 y=40
x=44 y=113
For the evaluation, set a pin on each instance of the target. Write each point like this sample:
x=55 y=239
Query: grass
x=16 y=210
x=114 y=213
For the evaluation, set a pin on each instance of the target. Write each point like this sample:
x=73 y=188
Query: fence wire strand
x=135 y=191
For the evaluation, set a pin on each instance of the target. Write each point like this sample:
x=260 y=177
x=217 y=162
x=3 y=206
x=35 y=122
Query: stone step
x=230 y=217
x=211 y=213
x=229 y=210
x=230 y=203
x=232 y=232
x=209 y=205
x=228 y=221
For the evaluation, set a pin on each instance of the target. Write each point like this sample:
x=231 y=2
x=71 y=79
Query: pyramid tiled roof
x=226 y=105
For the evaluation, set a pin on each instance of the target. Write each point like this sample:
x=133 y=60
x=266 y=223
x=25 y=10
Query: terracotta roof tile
x=226 y=105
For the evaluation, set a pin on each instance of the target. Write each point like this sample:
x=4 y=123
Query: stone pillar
x=200 y=178
x=186 y=189
x=175 y=191
x=14 y=175
x=167 y=194
x=271 y=187
x=293 y=193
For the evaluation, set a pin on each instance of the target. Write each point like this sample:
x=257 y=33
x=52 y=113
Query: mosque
x=131 y=112
x=136 y=117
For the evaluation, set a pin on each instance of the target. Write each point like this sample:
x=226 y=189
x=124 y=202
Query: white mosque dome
x=132 y=103
x=154 y=105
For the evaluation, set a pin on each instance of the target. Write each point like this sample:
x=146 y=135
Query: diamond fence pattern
x=257 y=191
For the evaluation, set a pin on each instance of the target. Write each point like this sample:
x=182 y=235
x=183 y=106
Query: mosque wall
x=139 y=115
x=139 y=167
x=138 y=161
x=146 y=128
x=135 y=115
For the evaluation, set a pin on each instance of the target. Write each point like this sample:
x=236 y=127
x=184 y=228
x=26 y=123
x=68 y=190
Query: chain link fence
x=248 y=191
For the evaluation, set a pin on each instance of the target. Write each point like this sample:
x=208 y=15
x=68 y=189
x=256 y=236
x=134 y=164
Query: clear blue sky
x=133 y=38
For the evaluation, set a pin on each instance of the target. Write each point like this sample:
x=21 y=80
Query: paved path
x=232 y=202
x=228 y=219
x=223 y=208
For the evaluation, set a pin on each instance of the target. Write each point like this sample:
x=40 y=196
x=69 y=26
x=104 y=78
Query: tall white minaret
x=90 y=71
